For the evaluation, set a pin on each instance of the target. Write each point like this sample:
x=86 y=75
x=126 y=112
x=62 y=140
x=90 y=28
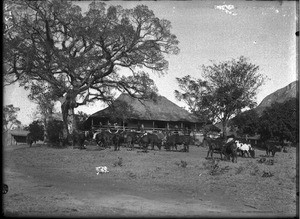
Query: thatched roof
x=161 y=109
x=19 y=133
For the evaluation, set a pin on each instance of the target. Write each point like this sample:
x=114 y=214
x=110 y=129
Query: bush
x=36 y=129
x=183 y=164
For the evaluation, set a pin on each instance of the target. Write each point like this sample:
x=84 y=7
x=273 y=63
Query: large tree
x=81 y=55
x=226 y=89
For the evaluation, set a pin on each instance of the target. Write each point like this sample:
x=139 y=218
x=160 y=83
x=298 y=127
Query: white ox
x=245 y=148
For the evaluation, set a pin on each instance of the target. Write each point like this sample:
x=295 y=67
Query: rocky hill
x=279 y=96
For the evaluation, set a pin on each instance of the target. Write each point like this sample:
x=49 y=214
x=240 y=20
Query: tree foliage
x=193 y=92
x=227 y=88
x=121 y=110
x=9 y=117
x=247 y=122
x=280 y=121
x=81 y=117
x=80 y=56
x=36 y=128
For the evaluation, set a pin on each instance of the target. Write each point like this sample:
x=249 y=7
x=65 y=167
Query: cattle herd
x=106 y=138
x=229 y=147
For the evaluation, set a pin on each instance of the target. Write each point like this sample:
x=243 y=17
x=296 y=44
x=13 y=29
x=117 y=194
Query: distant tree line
x=278 y=122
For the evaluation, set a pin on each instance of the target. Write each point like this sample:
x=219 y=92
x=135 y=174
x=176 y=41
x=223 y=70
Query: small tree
x=229 y=87
x=36 y=128
x=9 y=117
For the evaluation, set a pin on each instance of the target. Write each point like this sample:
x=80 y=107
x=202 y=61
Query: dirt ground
x=45 y=181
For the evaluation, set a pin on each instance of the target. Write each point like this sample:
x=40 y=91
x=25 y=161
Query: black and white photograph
x=150 y=108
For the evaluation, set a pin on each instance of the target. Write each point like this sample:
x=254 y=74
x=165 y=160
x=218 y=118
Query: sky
x=262 y=31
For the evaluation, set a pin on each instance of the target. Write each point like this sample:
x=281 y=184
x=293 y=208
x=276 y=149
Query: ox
x=245 y=148
x=103 y=138
x=117 y=140
x=80 y=137
x=131 y=137
x=221 y=146
x=230 y=149
x=272 y=147
x=214 y=145
x=149 y=138
x=176 y=139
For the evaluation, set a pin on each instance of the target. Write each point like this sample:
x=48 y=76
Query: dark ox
x=131 y=137
x=104 y=138
x=230 y=150
x=173 y=140
x=272 y=147
x=80 y=137
x=219 y=145
x=214 y=146
x=117 y=139
x=149 y=138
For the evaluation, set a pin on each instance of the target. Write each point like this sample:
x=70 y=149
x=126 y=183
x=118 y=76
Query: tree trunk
x=69 y=103
x=75 y=130
x=66 y=137
x=224 y=125
x=46 y=140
